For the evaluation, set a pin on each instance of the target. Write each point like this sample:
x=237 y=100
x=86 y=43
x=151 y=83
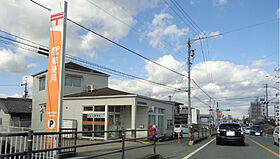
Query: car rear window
x=229 y=126
x=256 y=127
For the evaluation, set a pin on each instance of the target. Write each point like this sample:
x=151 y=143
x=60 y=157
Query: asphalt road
x=257 y=147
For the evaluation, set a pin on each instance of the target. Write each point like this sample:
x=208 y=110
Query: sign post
x=55 y=83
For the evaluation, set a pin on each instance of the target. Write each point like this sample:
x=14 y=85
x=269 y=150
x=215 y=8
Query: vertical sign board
x=55 y=82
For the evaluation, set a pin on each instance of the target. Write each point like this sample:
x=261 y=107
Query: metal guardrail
x=40 y=145
x=199 y=134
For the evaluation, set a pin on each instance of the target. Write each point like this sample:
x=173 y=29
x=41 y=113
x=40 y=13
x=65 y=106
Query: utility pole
x=189 y=84
x=25 y=88
x=218 y=119
x=266 y=100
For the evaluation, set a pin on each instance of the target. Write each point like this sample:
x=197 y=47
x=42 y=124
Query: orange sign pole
x=55 y=82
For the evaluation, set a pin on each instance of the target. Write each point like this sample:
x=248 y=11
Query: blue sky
x=255 y=49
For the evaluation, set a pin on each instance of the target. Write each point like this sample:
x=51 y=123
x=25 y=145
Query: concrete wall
x=39 y=97
x=5 y=118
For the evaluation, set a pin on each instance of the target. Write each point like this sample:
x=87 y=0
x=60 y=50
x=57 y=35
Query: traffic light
x=227 y=110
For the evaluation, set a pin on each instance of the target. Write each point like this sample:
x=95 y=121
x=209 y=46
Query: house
x=95 y=107
x=109 y=109
x=15 y=112
x=77 y=79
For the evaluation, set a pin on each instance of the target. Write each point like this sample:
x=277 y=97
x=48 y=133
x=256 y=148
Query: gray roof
x=74 y=66
x=16 y=105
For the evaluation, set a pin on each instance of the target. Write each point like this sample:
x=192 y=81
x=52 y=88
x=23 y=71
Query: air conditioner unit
x=90 y=88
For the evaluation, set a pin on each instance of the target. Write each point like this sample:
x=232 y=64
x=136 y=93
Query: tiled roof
x=16 y=105
x=99 y=92
x=74 y=66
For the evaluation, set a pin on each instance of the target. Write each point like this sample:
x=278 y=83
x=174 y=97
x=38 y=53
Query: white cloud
x=262 y=63
x=16 y=95
x=162 y=29
x=31 y=21
x=230 y=81
x=220 y=2
x=13 y=63
x=278 y=13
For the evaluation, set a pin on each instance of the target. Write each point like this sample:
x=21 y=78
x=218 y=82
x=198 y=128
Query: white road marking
x=186 y=157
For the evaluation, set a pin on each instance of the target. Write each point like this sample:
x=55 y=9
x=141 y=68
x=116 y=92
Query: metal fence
x=41 y=145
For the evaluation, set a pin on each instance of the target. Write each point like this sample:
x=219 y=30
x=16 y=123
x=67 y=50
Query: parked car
x=180 y=128
x=247 y=130
x=276 y=136
x=230 y=133
x=256 y=130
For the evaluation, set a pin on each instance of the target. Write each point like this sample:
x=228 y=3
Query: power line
x=44 y=52
x=124 y=47
x=130 y=26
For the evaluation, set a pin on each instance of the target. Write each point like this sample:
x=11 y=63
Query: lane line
x=186 y=157
x=264 y=147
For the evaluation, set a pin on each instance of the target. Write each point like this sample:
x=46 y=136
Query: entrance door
x=99 y=125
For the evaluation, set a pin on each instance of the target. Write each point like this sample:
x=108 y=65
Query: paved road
x=257 y=147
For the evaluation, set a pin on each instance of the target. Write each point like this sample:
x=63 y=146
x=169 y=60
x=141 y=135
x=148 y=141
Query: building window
x=160 y=111
x=42 y=81
x=42 y=111
x=99 y=108
x=111 y=108
x=118 y=109
x=72 y=81
x=90 y=108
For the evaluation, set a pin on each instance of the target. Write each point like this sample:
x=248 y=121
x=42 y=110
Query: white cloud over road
x=230 y=81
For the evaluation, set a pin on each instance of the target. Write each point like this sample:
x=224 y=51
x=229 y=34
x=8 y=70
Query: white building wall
x=39 y=97
x=5 y=118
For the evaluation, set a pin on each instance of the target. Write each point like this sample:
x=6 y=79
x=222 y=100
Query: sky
x=231 y=68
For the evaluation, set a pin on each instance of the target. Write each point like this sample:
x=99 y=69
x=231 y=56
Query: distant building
x=181 y=114
x=195 y=116
x=256 y=113
x=15 y=112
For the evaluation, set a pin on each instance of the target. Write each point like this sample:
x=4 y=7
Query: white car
x=276 y=136
x=181 y=128
x=247 y=130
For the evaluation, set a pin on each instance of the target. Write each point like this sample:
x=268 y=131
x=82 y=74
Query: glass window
x=68 y=81
x=72 y=81
x=111 y=108
x=76 y=82
x=161 y=111
x=118 y=109
x=99 y=108
x=90 y=108
x=42 y=81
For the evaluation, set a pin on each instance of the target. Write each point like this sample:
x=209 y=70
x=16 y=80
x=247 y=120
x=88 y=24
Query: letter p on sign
x=51 y=124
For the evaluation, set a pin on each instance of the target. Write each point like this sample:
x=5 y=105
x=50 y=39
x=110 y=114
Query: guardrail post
x=29 y=144
x=123 y=142
x=59 y=142
x=134 y=135
x=75 y=140
x=154 y=138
